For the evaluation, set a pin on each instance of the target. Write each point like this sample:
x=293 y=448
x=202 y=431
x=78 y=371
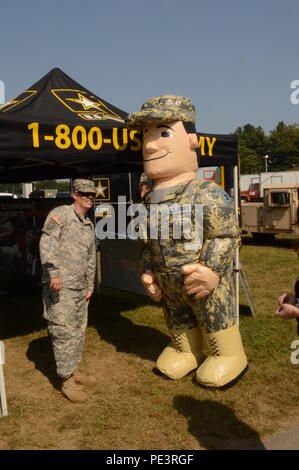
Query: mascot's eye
x=165 y=134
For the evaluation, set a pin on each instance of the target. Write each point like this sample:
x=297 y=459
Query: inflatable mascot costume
x=193 y=281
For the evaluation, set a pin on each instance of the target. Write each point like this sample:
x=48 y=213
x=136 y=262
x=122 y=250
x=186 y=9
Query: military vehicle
x=278 y=213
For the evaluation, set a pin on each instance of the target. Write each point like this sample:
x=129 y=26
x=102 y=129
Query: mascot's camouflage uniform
x=203 y=330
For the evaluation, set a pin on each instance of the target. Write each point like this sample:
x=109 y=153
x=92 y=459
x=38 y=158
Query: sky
x=234 y=59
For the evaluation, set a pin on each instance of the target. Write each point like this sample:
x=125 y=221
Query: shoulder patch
x=56 y=219
x=52 y=224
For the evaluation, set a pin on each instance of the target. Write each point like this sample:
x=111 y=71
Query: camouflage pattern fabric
x=216 y=250
x=66 y=314
x=67 y=248
x=165 y=108
x=85 y=186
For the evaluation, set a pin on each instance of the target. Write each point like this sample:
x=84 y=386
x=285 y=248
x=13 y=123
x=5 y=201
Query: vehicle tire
x=266 y=237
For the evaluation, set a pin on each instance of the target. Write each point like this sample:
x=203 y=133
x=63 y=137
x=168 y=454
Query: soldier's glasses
x=86 y=194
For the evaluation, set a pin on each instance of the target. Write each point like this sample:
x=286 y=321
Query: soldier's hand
x=88 y=296
x=199 y=279
x=56 y=284
x=150 y=284
x=287 y=311
x=287 y=299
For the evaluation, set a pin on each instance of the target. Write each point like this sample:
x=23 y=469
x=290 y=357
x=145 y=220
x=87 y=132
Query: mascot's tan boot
x=71 y=391
x=84 y=379
x=184 y=354
x=227 y=361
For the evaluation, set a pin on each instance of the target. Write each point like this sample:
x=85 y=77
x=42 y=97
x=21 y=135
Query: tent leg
x=236 y=263
x=247 y=291
x=3 y=410
x=98 y=267
x=237 y=287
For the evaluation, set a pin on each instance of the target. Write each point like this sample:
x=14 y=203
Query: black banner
x=59 y=129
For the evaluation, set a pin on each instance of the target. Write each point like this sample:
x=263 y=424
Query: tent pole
x=3 y=407
x=97 y=263
x=237 y=259
x=130 y=188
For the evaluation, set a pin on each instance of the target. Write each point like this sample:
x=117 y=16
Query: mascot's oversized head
x=169 y=136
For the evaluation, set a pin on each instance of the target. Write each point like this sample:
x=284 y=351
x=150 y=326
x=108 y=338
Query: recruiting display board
x=58 y=129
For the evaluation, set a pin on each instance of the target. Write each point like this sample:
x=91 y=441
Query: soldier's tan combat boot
x=227 y=360
x=84 y=379
x=71 y=391
x=183 y=355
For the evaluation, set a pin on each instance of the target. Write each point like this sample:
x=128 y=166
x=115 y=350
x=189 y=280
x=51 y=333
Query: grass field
x=131 y=407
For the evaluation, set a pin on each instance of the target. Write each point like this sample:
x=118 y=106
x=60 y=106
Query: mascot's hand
x=151 y=286
x=199 y=280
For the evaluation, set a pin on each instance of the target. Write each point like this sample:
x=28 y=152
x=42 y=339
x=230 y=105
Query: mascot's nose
x=150 y=146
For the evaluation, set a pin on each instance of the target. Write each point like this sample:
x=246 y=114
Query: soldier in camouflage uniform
x=191 y=275
x=68 y=257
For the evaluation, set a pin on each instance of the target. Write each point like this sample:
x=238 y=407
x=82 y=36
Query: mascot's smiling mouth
x=158 y=158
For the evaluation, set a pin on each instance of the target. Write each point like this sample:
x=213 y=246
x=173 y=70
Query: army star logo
x=102 y=186
x=86 y=103
x=101 y=190
x=86 y=106
x=18 y=100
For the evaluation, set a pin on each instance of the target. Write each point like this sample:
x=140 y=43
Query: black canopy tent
x=59 y=129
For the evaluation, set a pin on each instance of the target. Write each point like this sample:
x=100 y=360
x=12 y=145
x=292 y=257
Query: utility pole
x=266 y=157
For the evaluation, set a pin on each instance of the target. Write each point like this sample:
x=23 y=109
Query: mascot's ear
x=193 y=141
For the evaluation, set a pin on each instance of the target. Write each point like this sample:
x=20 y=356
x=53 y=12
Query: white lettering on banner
x=295 y=354
x=294 y=98
x=2 y=92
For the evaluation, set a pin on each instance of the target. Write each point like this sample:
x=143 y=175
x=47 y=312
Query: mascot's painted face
x=168 y=150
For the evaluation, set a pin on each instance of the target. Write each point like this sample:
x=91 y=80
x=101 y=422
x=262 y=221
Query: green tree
x=250 y=162
x=284 y=146
x=253 y=145
x=11 y=188
x=61 y=185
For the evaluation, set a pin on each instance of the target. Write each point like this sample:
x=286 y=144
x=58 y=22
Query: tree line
x=281 y=146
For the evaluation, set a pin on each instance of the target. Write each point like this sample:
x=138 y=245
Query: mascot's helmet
x=166 y=108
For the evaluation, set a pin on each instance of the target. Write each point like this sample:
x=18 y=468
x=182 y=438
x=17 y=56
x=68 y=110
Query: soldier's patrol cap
x=165 y=108
x=84 y=186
